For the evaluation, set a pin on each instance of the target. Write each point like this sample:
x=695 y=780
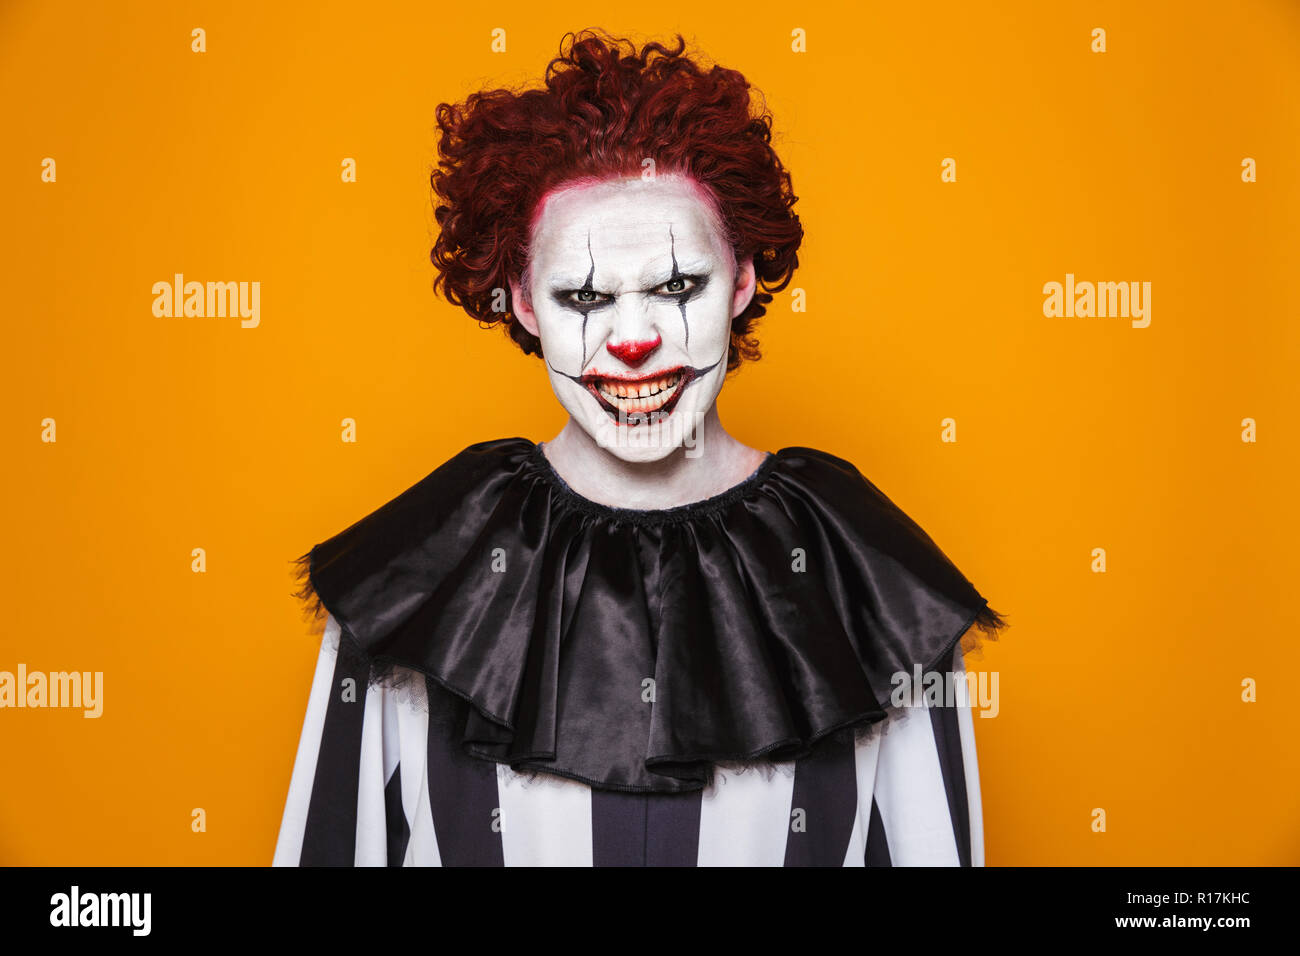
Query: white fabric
x=745 y=817
x=971 y=765
x=288 y=847
x=545 y=821
x=910 y=793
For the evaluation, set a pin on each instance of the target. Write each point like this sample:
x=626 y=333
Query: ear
x=522 y=305
x=745 y=286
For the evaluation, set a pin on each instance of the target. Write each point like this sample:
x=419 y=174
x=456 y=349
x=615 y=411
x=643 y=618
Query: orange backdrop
x=1119 y=690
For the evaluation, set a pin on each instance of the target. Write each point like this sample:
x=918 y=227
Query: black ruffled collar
x=633 y=650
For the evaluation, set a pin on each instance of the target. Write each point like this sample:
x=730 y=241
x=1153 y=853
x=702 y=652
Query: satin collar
x=633 y=650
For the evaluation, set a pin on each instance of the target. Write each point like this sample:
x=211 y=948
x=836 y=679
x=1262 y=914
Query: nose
x=633 y=353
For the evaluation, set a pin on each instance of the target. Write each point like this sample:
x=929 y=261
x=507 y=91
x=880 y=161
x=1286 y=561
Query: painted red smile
x=639 y=399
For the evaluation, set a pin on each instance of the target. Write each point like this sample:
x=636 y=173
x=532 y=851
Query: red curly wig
x=606 y=108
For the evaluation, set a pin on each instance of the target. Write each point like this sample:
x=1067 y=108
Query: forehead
x=626 y=219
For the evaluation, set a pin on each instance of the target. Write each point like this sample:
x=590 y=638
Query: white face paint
x=632 y=289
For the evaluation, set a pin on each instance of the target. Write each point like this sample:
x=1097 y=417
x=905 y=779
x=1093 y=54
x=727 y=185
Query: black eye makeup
x=681 y=284
x=585 y=300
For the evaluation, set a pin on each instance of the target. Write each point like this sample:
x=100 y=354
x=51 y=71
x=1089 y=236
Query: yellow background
x=1119 y=691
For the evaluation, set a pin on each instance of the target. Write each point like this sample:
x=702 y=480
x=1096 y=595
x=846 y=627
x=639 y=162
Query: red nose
x=633 y=353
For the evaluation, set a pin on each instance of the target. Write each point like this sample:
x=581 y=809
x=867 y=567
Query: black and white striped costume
x=382 y=775
x=371 y=787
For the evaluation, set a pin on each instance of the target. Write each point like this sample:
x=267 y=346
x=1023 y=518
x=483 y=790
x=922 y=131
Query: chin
x=645 y=432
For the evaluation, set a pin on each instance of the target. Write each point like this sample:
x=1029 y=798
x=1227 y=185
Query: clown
x=642 y=641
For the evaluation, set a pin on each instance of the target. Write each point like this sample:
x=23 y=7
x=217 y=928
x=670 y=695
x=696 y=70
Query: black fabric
x=825 y=800
x=633 y=649
x=947 y=739
x=463 y=797
x=399 y=831
x=330 y=836
x=644 y=829
x=877 y=841
x=618 y=828
x=672 y=828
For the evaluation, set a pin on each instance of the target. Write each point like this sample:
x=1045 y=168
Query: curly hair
x=604 y=110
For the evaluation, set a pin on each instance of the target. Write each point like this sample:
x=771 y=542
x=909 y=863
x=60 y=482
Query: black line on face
x=586 y=287
x=682 y=299
x=564 y=299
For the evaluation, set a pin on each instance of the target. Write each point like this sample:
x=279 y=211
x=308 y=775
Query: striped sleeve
x=925 y=808
x=348 y=803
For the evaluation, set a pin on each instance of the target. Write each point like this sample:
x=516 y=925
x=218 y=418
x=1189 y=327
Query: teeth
x=643 y=397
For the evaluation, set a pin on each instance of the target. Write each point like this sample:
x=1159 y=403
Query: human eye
x=584 y=297
x=678 y=286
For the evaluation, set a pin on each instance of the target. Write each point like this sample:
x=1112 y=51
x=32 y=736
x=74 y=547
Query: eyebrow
x=652 y=275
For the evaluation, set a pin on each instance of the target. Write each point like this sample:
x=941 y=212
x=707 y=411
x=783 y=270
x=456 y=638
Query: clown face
x=631 y=288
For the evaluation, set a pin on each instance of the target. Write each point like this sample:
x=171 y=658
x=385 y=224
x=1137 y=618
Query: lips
x=639 y=400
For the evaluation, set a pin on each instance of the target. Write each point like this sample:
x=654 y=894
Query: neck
x=716 y=462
